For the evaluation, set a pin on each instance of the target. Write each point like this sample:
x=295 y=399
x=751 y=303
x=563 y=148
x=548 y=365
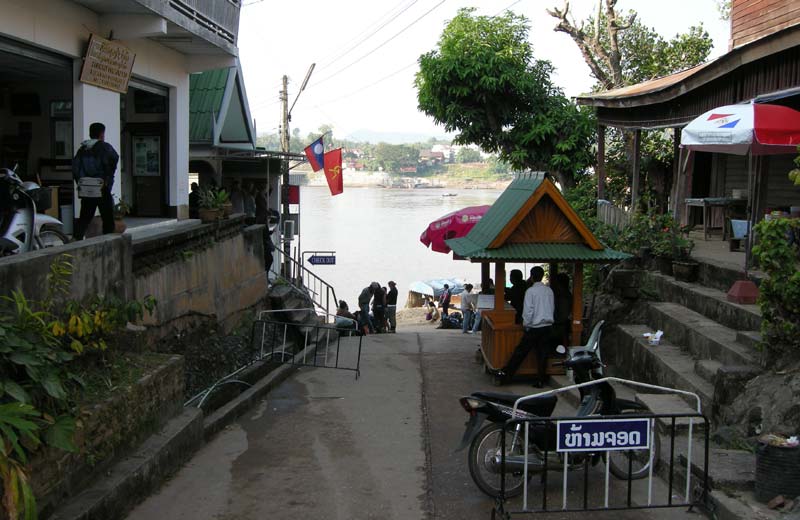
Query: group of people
x=470 y=313
x=544 y=312
x=252 y=201
x=383 y=317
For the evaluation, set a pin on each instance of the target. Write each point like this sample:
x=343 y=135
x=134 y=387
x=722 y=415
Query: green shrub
x=778 y=255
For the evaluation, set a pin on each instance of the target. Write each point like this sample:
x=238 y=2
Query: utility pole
x=287 y=244
x=286 y=116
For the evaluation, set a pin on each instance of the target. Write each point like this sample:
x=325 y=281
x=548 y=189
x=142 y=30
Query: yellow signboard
x=107 y=65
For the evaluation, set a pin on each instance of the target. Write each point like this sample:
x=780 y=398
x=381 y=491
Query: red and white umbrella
x=756 y=128
x=453 y=225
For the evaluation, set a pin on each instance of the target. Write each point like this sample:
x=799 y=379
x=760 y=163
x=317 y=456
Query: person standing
x=391 y=307
x=95 y=159
x=262 y=213
x=249 y=202
x=537 y=325
x=516 y=294
x=237 y=197
x=194 y=201
x=379 y=309
x=467 y=308
x=363 y=308
x=444 y=300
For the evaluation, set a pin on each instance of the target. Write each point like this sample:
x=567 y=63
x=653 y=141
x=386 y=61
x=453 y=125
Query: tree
x=392 y=157
x=483 y=82
x=620 y=51
x=468 y=155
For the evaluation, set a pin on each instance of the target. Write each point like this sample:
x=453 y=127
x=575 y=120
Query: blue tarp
x=435 y=287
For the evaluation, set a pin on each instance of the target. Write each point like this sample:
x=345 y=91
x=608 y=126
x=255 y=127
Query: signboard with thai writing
x=603 y=435
x=107 y=65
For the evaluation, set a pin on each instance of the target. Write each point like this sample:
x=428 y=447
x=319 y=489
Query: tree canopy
x=483 y=82
x=621 y=51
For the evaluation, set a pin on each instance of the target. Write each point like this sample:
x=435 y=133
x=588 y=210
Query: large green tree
x=392 y=157
x=620 y=51
x=483 y=82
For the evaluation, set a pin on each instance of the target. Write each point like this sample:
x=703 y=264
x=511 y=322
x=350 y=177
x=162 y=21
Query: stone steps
x=702 y=336
x=709 y=302
x=664 y=365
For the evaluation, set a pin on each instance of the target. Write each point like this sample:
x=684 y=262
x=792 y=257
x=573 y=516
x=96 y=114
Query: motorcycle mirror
x=561 y=349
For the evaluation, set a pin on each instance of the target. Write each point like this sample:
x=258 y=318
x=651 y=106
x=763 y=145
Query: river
x=375 y=233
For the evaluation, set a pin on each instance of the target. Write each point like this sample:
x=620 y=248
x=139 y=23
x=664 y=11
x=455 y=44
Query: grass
x=105 y=374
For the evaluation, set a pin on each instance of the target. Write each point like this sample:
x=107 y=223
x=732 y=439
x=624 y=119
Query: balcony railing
x=220 y=17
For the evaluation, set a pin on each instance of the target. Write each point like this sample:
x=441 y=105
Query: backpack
x=88 y=163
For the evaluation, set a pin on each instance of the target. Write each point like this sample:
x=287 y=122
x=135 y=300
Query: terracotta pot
x=208 y=214
x=120 y=226
x=664 y=264
x=685 y=271
x=227 y=210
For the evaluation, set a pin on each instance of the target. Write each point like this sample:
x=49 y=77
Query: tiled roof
x=206 y=91
x=504 y=208
x=535 y=252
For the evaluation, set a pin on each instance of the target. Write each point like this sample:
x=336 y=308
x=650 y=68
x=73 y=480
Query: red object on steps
x=743 y=292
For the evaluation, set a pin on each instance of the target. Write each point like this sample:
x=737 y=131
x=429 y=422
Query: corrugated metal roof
x=206 y=91
x=505 y=207
x=640 y=89
x=535 y=252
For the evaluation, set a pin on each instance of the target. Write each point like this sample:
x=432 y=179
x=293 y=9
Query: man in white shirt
x=537 y=323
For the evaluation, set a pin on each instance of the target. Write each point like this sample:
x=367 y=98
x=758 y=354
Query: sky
x=366 y=54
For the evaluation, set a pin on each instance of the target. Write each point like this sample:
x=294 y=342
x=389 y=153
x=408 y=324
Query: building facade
x=46 y=110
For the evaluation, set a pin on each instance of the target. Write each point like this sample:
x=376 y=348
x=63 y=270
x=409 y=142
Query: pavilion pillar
x=484 y=275
x=499 y=285
x=637 y=145
x=601 y=162
x=577 y=303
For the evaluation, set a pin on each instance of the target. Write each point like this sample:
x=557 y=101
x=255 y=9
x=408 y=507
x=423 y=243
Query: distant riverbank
x=371 y=179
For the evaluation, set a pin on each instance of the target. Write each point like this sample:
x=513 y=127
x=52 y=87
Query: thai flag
x=315 y=153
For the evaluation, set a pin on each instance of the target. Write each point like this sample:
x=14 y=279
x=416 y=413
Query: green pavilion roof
x=532 y=222
x=206 y=91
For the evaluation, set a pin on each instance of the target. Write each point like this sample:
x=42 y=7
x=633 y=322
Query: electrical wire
x=365 y=87
x=401 y=31
x=392 y=16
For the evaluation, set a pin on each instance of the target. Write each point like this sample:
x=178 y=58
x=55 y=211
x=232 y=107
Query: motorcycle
x=485 y=443
x=22 y=229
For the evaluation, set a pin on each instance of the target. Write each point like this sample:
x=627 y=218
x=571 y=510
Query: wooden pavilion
x=530 y=222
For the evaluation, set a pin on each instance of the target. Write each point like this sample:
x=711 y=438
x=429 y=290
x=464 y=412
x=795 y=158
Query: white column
x=179 y=148
x=94 y=105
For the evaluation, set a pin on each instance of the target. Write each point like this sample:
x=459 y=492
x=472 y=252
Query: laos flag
x=315 y=152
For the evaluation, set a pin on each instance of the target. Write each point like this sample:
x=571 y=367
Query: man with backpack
x=93 y=170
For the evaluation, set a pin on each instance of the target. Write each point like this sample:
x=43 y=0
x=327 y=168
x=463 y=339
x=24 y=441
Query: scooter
x=22 y=229
x=485 y=459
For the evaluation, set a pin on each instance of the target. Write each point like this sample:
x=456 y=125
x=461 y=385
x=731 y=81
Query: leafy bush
x=39 y=341
x=778 y=255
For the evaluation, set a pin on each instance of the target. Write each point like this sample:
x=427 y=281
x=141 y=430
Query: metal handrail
x=302 y=277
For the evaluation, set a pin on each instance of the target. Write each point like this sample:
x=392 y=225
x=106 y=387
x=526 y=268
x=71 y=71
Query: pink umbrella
x=453 y=225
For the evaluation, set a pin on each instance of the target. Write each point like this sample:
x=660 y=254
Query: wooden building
x=762 y=66
x=530 y=222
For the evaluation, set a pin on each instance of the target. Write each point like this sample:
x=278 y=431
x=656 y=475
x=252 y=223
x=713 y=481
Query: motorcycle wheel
x=49 y=237
x=484 y=471
x=639 y=459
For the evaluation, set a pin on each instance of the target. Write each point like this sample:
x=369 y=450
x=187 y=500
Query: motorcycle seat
x=541 y=406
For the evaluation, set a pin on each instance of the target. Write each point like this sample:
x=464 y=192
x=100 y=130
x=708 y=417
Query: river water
x=375 y=233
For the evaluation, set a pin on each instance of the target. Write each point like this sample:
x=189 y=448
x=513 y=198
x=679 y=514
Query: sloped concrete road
x=326 y=446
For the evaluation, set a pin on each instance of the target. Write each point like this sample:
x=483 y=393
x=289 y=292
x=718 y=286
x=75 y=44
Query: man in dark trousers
x=444 y=300
x=98 y=160
x=391 y=307
x=537 y=325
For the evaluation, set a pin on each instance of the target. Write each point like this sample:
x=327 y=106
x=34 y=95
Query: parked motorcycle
x=485 y=451
x=21 y=227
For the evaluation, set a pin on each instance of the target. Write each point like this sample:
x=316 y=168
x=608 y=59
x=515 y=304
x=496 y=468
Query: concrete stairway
x=708 y=347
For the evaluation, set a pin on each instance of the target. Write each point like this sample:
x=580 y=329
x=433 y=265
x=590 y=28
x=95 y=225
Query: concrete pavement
x=326 y=446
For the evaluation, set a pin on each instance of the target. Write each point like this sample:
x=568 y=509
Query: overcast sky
x=366 y=52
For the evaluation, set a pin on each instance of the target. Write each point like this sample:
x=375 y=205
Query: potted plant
x=684 y=268
x=224 y=202
x=121 y=209
x=209 y=207
x=662 y=251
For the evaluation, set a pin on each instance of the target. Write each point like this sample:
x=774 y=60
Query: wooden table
x=728 y=204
